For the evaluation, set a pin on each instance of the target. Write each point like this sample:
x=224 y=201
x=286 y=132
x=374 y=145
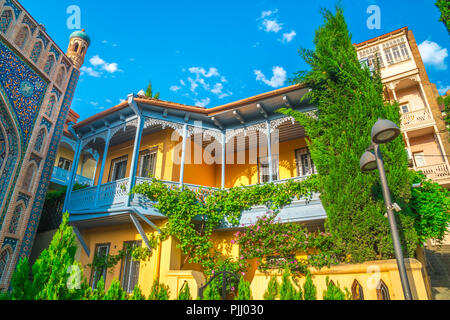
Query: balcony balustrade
x=418 y=118
x=62 y=177
x=436 y=172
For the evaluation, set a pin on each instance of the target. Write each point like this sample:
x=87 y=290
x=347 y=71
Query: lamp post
x=385 y=131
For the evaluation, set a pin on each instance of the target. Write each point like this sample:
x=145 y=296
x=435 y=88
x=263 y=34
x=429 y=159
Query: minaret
x=78 y=45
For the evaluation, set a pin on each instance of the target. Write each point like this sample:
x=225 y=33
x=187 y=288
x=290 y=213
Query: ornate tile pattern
x=23 y=197
x=55 y=52
x=15 y=219
x=24 y=89
x=11 y=242
x=17 y=10
x=30 y=23
x=5 y=20
x=33 y=220
x=56 y=92
x=46 y=123
x=36 y=53
x=43 y=38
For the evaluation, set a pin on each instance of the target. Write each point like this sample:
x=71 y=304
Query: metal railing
x=63 y=176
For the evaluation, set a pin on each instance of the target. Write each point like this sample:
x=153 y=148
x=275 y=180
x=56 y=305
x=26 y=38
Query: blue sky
x=210 y=53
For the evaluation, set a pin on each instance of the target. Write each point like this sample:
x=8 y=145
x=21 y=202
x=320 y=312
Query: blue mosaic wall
x=36 y=210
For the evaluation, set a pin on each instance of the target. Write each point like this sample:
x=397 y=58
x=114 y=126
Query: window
x=389 y=57
x=396 y=51
x=419 y=158
x=404 y=51
x=101 y=251
x=130 y=269
x=357 y=291
x=147 y=163
x=264 y=174
x=305 y=165
x=21 y=37
x=75 y=47
x=39 y=141
x=4 y=257
x=65 y=164
x=36 y=52
x=118 y=168
x=49 y=64
x=404 y=108
x=382 y=291
x=5 y=21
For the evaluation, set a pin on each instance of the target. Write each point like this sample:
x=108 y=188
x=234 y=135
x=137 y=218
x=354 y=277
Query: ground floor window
x=101 y=251
x=130 y=269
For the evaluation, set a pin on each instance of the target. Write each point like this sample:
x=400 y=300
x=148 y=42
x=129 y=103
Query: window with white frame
x=64 y=163
x=305 y=164
x=396 y=51
x=404 y=108
x=147 y=162
x=264 y=172
x=101 y=252
x=118 y=168
x=130 y=268
x=419 y=159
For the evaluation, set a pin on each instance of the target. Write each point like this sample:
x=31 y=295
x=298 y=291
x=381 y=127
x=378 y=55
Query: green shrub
x=287 y=290
x=137 y=294
x=272 y=289
x=244 y=292
x=159 y=291
x=309 y=289
x=185 y=293
x=115 y=292
x=333 y=292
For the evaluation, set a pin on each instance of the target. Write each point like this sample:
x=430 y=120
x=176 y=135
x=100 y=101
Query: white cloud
x=271 y=25
x=201 y=71
x=218 y=87
x=94 y=103
x=443 y=89
x=287 y=37
x=182 y=82
x=433 y=54
x=111 y=67
x=91 y=72
x=268 y=13
x=202 y=103
x=96 y=61
x=107 y=100
x=175 y=88
x=277 y=80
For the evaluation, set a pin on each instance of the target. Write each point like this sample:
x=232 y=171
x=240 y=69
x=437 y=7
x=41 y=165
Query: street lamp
x=385 y=131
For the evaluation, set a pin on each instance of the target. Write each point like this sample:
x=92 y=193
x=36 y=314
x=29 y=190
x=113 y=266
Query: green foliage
x=185 y=293
x=275 y=246
x=287 y=290
x=159 y=291
x=444 y=8
x=212 y=292
x=349 y=100
x=193 y=215
x=272 y=289
x=51 y=276
x=244 y=292
x=99 y=292
x=333 y=292
x=431 y=209
x=309 y=289
x=446 y=102
x=149 y=92
x=115 y=292
x=137 y=294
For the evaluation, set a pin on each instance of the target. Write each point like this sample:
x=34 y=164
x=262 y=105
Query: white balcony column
x=269 y=151
x=95 y=170
x=102 y=168
x=394 y=94
x=424 y=97
x=438 y=139
x=183 y=154
x=73 y=175
x=224 y=141
x=410 y=151
x=135 y=158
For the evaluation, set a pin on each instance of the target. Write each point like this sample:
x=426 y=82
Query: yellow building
x=238 y=144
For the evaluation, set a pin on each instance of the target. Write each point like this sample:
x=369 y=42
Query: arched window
x=49 y=64
x=29 y=176
x=15 y=219
x=357 y=291
x=4 y=257
x=82 y=49
x=39 y=141
x=36 y=52
x=50 y=106
x=21 y=37
x=382 y=291
x=60 y=76
x=5 y=20
x=75 y=47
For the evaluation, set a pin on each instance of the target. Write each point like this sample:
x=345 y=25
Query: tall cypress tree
x=349 y=100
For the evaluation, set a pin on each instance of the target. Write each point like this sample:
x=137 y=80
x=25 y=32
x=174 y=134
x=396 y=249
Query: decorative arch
x=49 y=64
x=50 y=106
x=40 y=140
x=5 y=254
x=5 y=20
x=15 y=219
x=357 y=291
x=22 y=37
x=383 y=291
x=83 y=48
x=61 y=75
x=36 y=52
x=29 y=177
x=75 y=46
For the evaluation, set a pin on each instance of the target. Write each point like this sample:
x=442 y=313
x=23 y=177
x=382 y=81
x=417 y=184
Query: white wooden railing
x=436 y=171
x=416 y=118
